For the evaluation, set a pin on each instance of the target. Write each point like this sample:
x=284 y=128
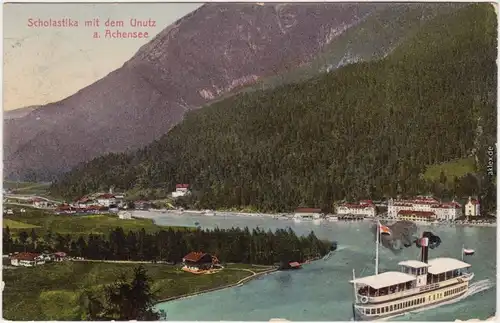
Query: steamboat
x=417 y=285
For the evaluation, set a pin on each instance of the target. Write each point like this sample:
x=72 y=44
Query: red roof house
x=198 y=261
x=27 y=259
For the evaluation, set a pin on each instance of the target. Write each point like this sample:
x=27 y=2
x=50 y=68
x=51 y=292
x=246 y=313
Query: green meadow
x=54 y=291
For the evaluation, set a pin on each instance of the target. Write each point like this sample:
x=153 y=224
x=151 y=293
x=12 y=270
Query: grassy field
x=17 y=224
x=53 y=291
x=451 y=169
x=27 y=187
x=75 y=224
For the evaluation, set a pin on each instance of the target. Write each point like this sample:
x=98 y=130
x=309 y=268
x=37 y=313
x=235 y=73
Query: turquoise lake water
x=320 y=291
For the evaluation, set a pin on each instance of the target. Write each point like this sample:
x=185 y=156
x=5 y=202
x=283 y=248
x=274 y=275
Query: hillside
x=214 y=52
x=363 y=131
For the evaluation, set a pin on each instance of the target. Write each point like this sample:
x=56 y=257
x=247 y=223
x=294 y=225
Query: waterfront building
x=142 y=205
x=307 y=213
x=421 y=216
x=472 y=207
x=198 y=262
x=442 y=211
x=181 y=190
x=365 y=208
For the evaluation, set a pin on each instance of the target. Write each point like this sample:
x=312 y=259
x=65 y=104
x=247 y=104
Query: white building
x=307 y=213
x=40 y=203
x=181 y=190
x=85 y=202
x=106 y=199
x=443 y=211
x=472 y=207
x=27 y=259
x=365 y=208
x=125 y=215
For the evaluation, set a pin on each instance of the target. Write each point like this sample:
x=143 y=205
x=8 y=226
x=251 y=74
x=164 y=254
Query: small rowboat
x=468 y=252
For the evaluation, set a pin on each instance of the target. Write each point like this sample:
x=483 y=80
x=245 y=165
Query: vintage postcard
x=250 y=161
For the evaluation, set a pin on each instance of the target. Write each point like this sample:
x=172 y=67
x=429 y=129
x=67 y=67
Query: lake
x=320 y=291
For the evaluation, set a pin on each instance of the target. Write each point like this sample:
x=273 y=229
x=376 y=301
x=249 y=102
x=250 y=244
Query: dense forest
x=233 y=245
x=367 y=130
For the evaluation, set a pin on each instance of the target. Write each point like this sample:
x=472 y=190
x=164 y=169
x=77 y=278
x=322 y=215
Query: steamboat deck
x=417 y=285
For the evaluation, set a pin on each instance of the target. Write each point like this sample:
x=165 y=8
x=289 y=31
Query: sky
x=47 y=64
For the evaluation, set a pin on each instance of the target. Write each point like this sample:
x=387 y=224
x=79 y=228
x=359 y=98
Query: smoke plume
x=404 y=235
x=434 y=240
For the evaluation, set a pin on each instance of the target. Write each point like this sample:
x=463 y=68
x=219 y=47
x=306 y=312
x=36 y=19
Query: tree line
x=365 y=131
x=232 y=245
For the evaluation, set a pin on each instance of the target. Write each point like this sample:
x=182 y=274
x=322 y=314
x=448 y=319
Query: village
x=426 y=209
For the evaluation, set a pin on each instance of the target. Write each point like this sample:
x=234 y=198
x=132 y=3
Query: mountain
x=215 y=51
x=366 y=130
x=19 y=113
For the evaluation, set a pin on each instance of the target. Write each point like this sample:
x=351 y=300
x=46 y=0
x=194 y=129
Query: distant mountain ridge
x=215 y=50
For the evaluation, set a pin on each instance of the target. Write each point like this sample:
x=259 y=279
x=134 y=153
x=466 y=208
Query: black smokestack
x=424 y=254
x=428 y=240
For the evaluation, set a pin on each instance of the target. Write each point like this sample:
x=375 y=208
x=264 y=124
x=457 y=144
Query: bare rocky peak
x=214 y=50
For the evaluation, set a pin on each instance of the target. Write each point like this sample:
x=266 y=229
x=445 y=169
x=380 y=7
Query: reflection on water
x=284 y=279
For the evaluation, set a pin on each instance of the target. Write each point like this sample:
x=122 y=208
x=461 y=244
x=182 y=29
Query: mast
x=376 y=247
x=354 y=285
x=463 y=246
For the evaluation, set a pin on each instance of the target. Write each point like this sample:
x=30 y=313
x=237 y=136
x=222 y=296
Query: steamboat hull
x=401 y=306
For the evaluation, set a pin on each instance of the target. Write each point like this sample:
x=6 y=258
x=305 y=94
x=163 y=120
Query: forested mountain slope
x=364 y=131
x=212 y=53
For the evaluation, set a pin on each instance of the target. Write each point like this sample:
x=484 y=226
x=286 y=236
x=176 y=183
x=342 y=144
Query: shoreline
x=241 y=282
x=271 y=215
x=236 y=284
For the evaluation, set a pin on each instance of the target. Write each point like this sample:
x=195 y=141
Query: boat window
x=378 y=310
x=372 y=311
x=434 y=297
x=382 y=310
x=387 y=308
x=391 y=308
x=423 y=299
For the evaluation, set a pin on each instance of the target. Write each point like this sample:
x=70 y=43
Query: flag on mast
x=384 y=229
